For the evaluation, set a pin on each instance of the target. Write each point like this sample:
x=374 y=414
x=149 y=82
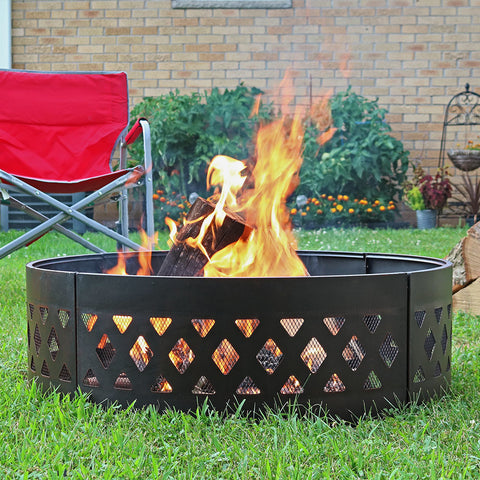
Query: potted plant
x=470 y=198
x=428 y=195
x=466 y=159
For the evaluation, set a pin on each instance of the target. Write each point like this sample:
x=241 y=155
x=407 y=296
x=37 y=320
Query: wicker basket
x=465 y=160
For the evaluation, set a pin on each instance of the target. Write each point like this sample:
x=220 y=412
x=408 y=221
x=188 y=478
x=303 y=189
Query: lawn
x=52 y=436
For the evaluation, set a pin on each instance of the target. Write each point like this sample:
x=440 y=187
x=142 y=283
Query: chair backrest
x=60 y=126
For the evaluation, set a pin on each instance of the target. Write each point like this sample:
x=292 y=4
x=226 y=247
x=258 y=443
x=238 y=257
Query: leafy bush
x=361 y=159
x=189 y=130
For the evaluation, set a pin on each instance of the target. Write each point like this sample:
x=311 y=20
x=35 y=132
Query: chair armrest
x=134 y=132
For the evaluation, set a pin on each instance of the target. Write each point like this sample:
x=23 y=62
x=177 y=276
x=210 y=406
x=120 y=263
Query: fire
x=144 y=257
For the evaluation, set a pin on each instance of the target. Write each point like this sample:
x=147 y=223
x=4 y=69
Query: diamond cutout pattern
x=105 y=351
x=64 y=375
x=372 y=382
x=247 y=387
x=225 y=356
x=334 y=324
x=353 y=353
x=122 y=322
x=52 y=343
x=123 y=382
x=44 y=314
x=419 y=375
x=438 y=314
x=141 y=353
x=203 y=387
x=313 y=355
x=89 y=320
x=372 y=322
x=37 y=339
x=291 y=386
x=181 y=355
x=291 y=325
x=160 y=324
x=444 y=340
x=64 y=317
x=31 y=309
x=429 y=344
x=270 y=356
x=161 y=385
x=438 y=370
x=247 y=325
x=203 y=325
x=420 y=317
x=334 y=385
x=389 y=350
x=90 y=379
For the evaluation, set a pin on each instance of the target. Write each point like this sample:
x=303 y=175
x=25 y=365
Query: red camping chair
x=58 y=132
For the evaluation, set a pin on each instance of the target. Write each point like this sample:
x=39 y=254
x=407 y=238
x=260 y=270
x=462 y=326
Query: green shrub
x=189 y=130
x=361 y=160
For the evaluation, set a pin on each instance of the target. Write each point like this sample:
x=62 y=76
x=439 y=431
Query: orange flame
x=144 y=257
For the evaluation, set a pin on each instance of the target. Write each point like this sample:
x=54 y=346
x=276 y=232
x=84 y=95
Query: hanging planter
x=465 y=159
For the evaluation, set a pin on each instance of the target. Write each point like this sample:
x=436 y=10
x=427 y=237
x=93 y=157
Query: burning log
x=185 y=259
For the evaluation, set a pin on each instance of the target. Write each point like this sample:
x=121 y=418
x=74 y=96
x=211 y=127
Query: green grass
x=54 y=436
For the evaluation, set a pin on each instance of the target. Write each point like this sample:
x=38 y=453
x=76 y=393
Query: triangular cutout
x=334 y=385
x=90 y=379
x=247 y=387
x=420 y=317
x=123 y=382
x=161 y=385
x=291 y=386
x=419 y=375
x=247 y=325
x=33 y=368
x=89 y=320
x=122 y=322
x=291 y=325
x=31 y=309
x=65 y=374
x=45 y=371
x=203 y=325
x=372 y=322
x=334 y=324
x=372 y=382
x=438 y=314
x=203 y=387
x=438 y=370
x=160 y=324
x=44 y=314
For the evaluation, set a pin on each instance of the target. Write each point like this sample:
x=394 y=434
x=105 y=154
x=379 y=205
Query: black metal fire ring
x=363 y=332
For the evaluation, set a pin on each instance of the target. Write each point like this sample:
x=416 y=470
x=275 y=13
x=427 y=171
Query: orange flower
x=162 y=199
x=293 y=211
x=351 y=210
x=319 y=212
x=333 y=210
x=369 y=210
x=303 y=214
x=330 y=198
x=324 y=195
x=339 y=207
x=345 y=198
x=382 y=208
x=155 y=196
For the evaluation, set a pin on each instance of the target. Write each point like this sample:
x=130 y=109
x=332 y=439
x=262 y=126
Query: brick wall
x=414 y=55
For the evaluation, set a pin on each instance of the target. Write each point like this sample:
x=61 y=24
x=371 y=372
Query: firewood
x=465 y=257
x=468 y=299
x=184 y=260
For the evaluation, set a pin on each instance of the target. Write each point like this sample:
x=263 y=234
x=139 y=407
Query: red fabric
x=61 y=127
x=134 y=132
